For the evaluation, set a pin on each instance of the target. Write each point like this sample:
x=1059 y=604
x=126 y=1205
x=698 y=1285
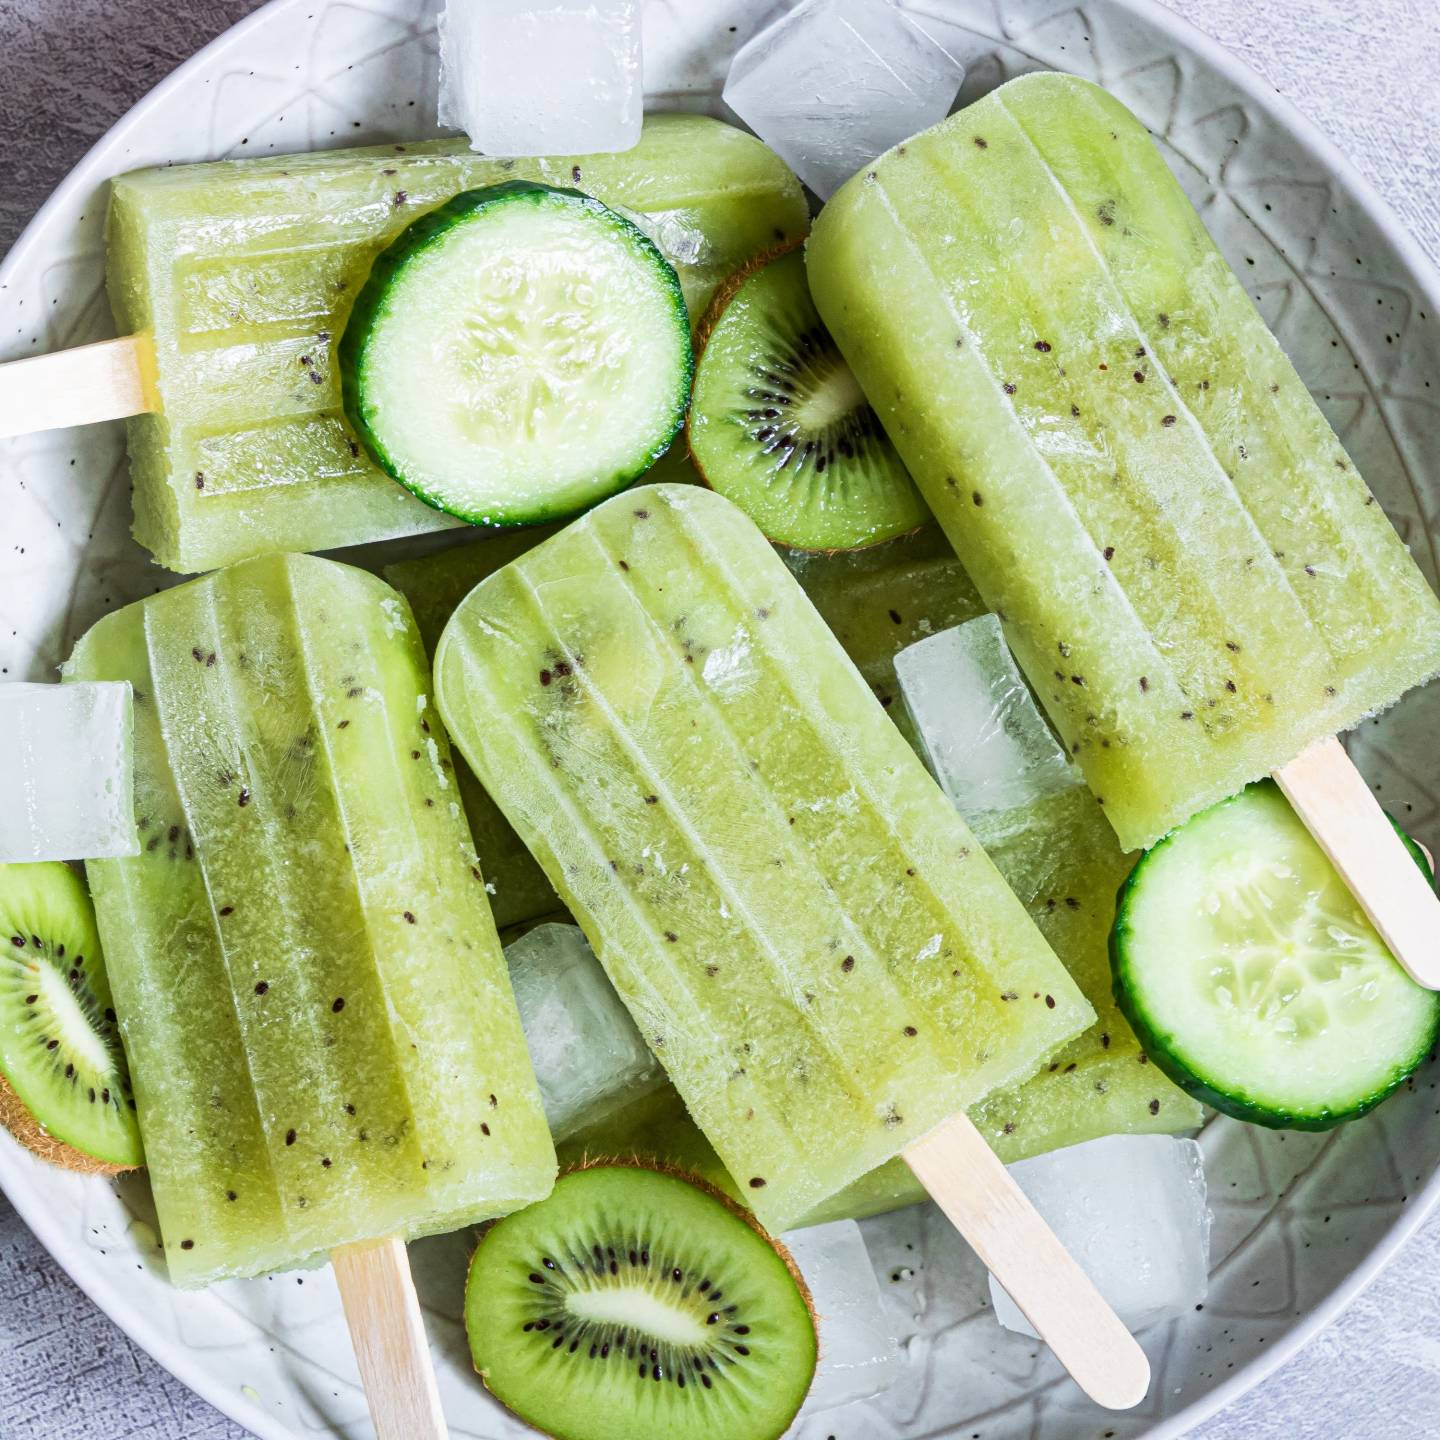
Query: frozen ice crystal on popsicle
x=834 y=83
x=859 y=1354
x=66 y=784
x=982 y=734
x=1131 y=1210
x=542 y=77
x=588 y=1055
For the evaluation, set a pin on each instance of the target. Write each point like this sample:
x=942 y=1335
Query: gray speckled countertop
x=1368 y=74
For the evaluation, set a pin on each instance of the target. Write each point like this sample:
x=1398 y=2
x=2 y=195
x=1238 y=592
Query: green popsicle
x=1191 y=572
x=242 y=272
x=321 y=1035
x=804 y=929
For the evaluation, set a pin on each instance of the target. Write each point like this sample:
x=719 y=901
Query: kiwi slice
x=779 y=425
x=64 y=1088
x=637 y=1302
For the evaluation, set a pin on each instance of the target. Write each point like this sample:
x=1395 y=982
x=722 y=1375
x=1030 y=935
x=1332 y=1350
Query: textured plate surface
x=1301 y=1221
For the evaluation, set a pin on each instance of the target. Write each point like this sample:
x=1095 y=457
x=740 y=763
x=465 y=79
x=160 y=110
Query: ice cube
x=982 y=734
x=833 y=83
x=588 y=1055
x=1131 y=1209
x=542 y=77
x=66 y=778
x=859 y=1353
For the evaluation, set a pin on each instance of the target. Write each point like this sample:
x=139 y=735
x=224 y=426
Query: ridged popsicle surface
x=319 y=1023
x=1195 y=578
x=807 y=934
x=243 y=273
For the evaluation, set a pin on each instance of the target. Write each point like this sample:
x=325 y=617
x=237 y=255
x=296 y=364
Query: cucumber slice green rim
x=780 y=426
x=1252 y=977
x=517 y=355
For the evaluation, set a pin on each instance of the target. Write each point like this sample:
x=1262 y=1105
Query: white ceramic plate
x=1302 y=1222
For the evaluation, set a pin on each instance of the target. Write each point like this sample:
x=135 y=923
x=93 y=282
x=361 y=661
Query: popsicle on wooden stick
x=1197 y=582
x=816 y=948
x=325 y=1051
x=231 y=281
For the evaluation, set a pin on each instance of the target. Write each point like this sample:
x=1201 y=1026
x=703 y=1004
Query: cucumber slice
x=518 y=354
x=1253 y=978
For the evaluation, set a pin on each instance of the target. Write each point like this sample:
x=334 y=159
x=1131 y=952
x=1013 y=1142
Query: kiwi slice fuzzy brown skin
x=638 y=1301
x=64 y=1087
x=778 y=423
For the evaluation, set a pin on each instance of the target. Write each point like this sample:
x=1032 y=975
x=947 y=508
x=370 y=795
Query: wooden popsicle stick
x=967 y=1181
x=388 y=1333
x=1330 y=795
x=105 y=381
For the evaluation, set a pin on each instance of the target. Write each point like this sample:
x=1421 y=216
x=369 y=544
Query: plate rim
x=1425 y=272
x=1420 y=267
x=136 y=1325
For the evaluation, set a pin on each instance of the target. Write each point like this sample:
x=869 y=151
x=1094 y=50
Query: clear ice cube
x=1131 y=1209
x=834 y=83
x=588 y=1055
x=982 y=734
x=859 y=1352
x=66 y=776
x=542 y=77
